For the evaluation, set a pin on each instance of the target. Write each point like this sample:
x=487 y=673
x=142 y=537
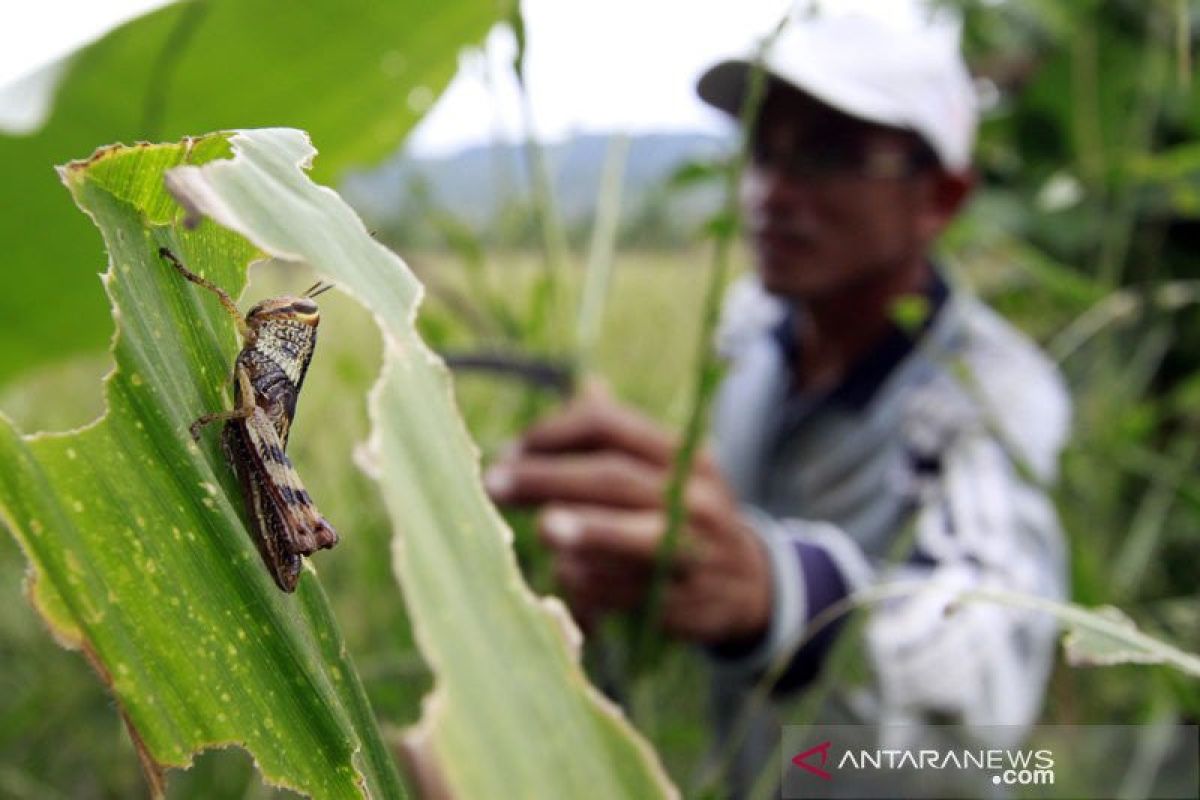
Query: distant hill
x=477 y=184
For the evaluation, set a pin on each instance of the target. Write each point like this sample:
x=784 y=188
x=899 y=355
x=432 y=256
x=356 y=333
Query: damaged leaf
x=137 y=547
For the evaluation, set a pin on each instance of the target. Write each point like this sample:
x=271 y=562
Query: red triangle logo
x=801 y=760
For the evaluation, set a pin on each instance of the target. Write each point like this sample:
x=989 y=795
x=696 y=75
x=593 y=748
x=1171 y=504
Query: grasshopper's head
x=284 y=309
x=288 y=310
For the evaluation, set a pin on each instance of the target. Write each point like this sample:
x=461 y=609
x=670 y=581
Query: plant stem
x=724 y=229
x=598 y=273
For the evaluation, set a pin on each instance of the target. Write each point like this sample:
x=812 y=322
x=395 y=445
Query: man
x=843 y=424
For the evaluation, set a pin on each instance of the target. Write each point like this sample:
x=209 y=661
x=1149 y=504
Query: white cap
x=904 y=76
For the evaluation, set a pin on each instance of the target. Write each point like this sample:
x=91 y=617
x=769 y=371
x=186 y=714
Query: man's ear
x=947 y=194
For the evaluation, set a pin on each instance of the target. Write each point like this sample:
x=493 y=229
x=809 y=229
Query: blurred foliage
x=1083 y=232
x=356 y=75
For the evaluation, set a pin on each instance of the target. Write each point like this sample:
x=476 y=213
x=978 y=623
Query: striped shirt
x=951 y=432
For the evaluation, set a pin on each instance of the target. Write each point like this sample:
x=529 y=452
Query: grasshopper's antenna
x=221 y=294
x=318 y=288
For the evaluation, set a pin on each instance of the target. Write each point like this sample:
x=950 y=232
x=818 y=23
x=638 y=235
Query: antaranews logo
x=936 y=762
x=1010 y=767
x=822 y=750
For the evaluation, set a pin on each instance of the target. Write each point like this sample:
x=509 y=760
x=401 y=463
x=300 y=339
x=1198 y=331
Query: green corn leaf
x=140 y=556
x=357 y=75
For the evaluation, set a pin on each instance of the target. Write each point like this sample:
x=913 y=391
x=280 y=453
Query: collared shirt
x=954 y=429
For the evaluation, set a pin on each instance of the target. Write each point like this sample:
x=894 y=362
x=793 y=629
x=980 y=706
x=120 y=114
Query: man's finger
x=596 y=422
x=613 y=479
x=600 y=532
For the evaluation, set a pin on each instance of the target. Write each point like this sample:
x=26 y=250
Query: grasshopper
x=278 y=338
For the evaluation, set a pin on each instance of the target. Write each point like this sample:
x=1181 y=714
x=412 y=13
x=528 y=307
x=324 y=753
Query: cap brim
x=723 y=85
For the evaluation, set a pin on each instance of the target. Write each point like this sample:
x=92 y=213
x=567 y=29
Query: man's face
x=831 y=202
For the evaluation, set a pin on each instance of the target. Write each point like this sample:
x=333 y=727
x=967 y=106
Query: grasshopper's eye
x=304 y=306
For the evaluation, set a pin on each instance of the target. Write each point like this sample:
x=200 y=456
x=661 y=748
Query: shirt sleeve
x=978 y=523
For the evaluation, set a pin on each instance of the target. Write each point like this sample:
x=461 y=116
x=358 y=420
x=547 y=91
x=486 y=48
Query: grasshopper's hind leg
x=241 y=412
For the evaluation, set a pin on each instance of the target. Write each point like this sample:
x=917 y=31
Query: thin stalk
x=708 y=371
x=1150 y=519
x=546 y=307
x=548 y=291
x=598 y=273
x=500 y=153
x=646 y=640
x=554 y=238
x=174 y=47
x=1118 y=307
x=1151 y=751
x=1183 y=45
x=1118 y=228
x=1091 y=621
x=1086 y=130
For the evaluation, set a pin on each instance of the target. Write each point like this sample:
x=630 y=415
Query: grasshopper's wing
x=303 y=527
x=267 y=523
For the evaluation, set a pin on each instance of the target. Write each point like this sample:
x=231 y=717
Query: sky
x=626 y=65
x=35 y=35
x=593 y=65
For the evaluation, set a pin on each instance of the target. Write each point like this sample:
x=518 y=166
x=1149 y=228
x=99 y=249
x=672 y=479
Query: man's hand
x=599 y=472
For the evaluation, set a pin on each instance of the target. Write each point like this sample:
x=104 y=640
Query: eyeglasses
x=844 y=159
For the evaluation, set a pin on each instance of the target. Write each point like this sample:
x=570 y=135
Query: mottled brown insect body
x=277 y=358
x=279 y=336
